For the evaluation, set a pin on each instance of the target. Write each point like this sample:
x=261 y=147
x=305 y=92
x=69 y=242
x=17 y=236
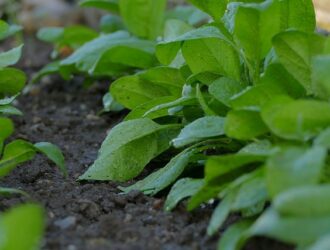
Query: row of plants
x=22 y=226
x=235 y=95
x=242 y=100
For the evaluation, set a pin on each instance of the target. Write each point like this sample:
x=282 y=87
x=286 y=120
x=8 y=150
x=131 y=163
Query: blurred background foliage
x=34 y=14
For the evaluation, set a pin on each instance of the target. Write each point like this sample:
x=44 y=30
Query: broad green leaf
x=265 y=18
x=22 y=228
x=12 y=81
x=295 y=50
x=165 y=176
x=174 y=28
x=304 y=201
x=222 y=168
x=167 y=51
x=294 y=167
x=108 y=5
x=143 y=18
x=321 y=76
x=250 y=194
x=7 y=128
x=296 y=120
x=132 y=91
x=53 y=153
x=214 y=55
x=116 y=48
x=253 y=98
x=234 y=235
x=140 y=110
x=293 y=230
x=128 y=148
x=268 y=18
x=10 y=57
x=220 y=214
x=215 y=8
x=182 y=189
x=201 y=129
x=276 y=74
x=15 y=153
x=224 y=89
x=166 y=77
x=244 y=125
x=263 y=148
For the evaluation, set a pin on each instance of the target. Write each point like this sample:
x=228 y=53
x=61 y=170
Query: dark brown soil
x=93 y=216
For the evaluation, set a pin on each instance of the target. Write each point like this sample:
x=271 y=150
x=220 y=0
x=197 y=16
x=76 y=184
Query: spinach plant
x=244 y=101
x=12 y=82
x=126 y=42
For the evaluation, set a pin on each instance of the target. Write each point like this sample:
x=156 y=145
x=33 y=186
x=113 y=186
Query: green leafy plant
x=126 y=43
x=12 y=82
x=250 y=91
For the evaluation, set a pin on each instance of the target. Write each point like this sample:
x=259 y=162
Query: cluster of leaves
x=242 y=100
x=29 y=218
x=12 y=81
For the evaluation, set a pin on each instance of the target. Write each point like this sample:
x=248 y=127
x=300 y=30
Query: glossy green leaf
x=201 y=129
x=253 y=98
x=295 y=50
x=128 y=148
x=53 y=153
x=224 y=89
x=214 y=55
x=166 y=77
x=321 y=76
x=244 y=125
x=12 y=81
x=227 y=167
x=297 y=120
x=250 y=194
x=10 y=57
x=295 y=230
x=116 y=48
x=15 y=153
x=132 y=91
x=182 y=189
x=165 y=176
x=220 y=214
x=213 y=7
x=304 y=201
x=143 y=18
x=294 y=167
x=167 y=51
